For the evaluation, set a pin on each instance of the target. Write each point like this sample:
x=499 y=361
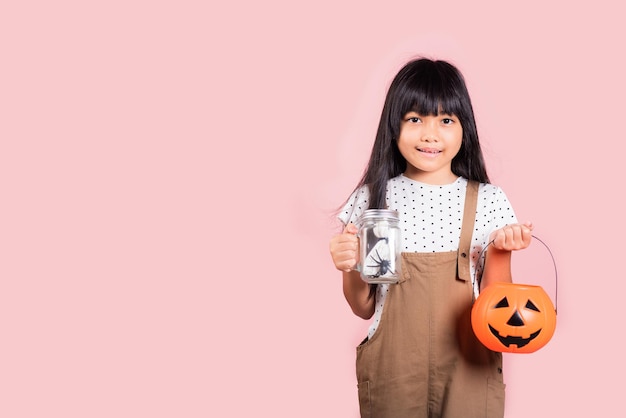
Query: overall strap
x=469 y=215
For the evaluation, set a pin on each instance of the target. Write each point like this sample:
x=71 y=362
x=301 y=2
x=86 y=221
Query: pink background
x=168 y=171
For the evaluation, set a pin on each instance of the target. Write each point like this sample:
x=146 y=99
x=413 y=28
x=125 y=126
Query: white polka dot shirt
x=431 y=218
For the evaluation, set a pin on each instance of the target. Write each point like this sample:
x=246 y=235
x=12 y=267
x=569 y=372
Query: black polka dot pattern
x=431 y=217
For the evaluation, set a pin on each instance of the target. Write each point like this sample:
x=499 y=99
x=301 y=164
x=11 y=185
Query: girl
x=421 y=358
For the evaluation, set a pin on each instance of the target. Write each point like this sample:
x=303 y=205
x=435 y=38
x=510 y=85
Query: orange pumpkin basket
x=514 y=318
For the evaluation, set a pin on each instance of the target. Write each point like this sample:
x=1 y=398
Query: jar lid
x=387 y=214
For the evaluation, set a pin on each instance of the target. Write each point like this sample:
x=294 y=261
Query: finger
x=351 y=229
x=344 y=250
x=346 y=261
x=521 y=237
x=344 y=243
x=343 y=258
x=518 y=239
x=509 y=235
x=500 y=240
x=527 y=236
x=504 y=238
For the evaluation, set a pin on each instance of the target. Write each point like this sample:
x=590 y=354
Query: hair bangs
x=433 y=97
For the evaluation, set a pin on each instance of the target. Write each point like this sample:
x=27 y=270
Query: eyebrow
x=431 y=114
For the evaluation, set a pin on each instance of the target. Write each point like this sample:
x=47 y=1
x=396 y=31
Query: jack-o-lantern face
x=516 y=318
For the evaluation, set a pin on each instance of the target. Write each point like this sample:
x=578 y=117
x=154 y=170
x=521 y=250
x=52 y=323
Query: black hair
x=428 y=87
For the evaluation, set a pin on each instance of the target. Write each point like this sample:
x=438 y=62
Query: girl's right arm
x=344 y=249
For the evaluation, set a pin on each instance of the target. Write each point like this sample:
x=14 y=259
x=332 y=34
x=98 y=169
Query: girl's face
x=428 y=143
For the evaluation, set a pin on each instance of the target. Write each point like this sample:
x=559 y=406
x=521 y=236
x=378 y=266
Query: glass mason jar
x=380 y=246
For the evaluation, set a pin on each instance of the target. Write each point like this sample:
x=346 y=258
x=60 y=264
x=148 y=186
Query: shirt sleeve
x=355 y=206
x=503 y=213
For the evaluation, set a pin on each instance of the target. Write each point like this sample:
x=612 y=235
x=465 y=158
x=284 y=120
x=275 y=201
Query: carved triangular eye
x=504 y=303
x=531 y=306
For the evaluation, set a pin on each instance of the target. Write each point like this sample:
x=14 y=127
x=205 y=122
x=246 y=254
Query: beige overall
x=424 y=360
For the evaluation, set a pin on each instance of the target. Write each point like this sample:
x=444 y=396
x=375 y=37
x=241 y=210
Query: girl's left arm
x=498 y=256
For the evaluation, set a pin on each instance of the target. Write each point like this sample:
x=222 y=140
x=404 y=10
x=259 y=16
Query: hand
x=512 y=237
x=344 y=249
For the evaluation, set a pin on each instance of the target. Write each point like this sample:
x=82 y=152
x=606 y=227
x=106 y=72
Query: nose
x=430 y=132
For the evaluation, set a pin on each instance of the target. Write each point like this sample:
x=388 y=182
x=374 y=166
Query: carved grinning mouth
x=510 y=340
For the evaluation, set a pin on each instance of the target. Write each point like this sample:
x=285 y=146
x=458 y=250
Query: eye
x=504 y=303
x=447 y=121
x=413 y=119
x=531 y=306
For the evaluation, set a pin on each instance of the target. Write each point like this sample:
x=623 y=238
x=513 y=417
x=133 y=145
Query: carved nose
x=515 y=320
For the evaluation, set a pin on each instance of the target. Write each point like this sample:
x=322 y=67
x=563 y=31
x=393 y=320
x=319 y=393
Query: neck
x=436 y=179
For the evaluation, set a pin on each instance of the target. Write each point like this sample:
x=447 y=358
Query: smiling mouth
x=429 y=150
x=510 y=340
